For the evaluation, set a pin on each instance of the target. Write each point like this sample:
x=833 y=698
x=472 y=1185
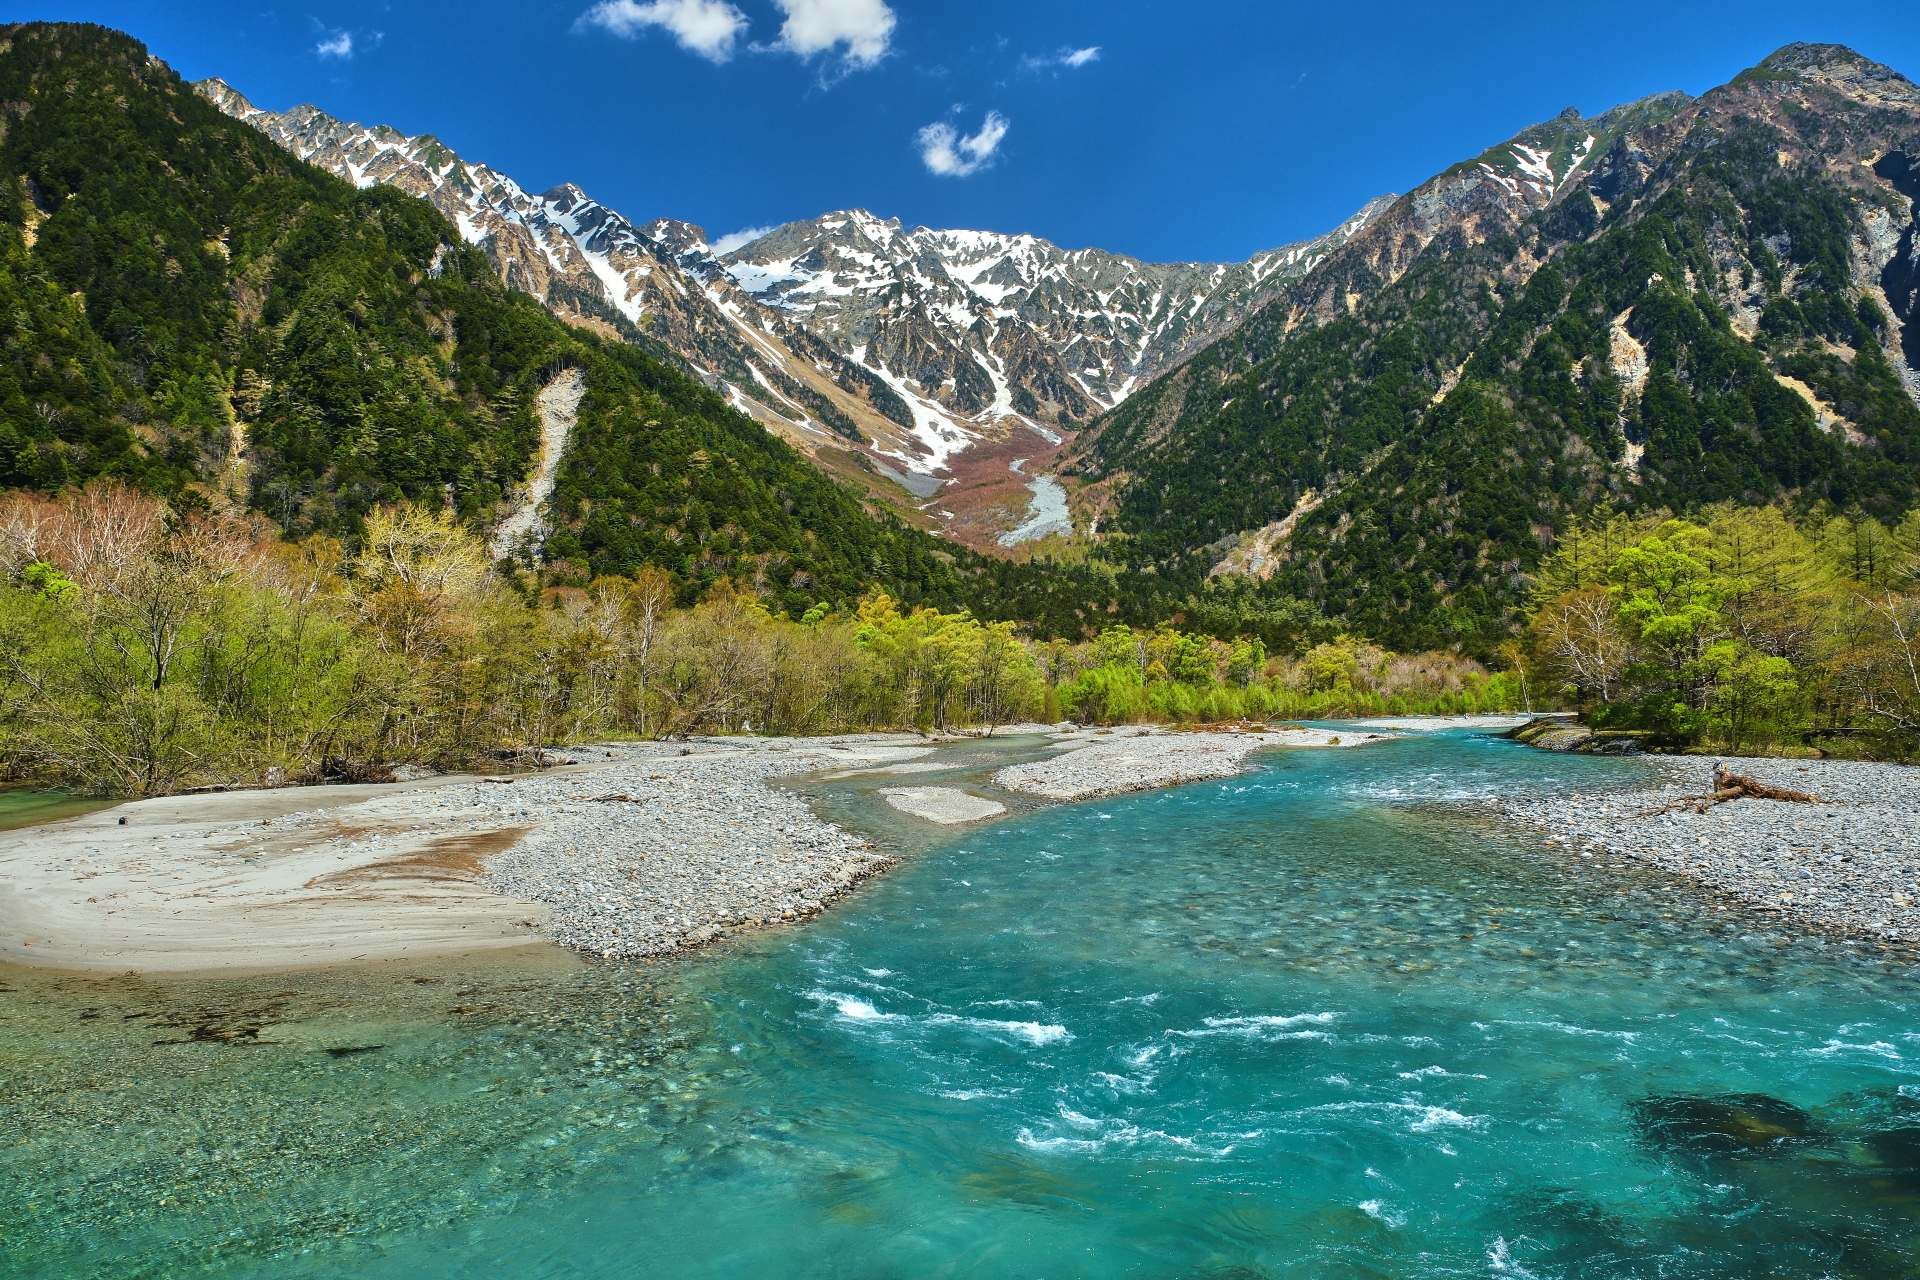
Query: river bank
x=637 y=851
x=1850 y=862
x=634 y=851
x=1408 y=1041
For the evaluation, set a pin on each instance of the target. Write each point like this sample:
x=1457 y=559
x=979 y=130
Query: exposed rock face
x=1492 y=195
x=1900 y=278
x=657 y=285
x=996 y=324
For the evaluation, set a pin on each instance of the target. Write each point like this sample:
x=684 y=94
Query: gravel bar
x=1850 y=862
x=662 y=851
x=1123 y=760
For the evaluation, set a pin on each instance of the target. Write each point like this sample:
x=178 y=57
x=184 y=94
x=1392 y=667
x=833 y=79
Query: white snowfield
x=1115 y=321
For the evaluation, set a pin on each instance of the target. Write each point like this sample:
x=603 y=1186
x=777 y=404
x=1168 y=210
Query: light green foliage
x=1168 y=675
x=1738 y=629
x=1752 y=692
x=943 y=667
x=1667 y=588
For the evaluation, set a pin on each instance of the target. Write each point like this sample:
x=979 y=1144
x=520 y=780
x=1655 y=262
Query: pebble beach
x=630 y=850
x=1850 y=862
x=683 y=849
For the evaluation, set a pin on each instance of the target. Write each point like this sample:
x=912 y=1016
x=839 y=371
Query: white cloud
x=864 y=27
x=706 y=27
x=952 y=156
x=734 y=239
x=1067 y=57
x=337 y=45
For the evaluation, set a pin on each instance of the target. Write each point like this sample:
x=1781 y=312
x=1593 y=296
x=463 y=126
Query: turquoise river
x=1323 y=1020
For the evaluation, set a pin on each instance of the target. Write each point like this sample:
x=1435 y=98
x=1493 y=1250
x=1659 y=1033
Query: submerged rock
x=1731 y=1124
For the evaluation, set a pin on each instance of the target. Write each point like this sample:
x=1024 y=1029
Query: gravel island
x=1111 y=763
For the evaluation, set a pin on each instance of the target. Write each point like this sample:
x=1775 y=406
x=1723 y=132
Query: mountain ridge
x=188 y=308
x=922 y=367
x=1712 y=300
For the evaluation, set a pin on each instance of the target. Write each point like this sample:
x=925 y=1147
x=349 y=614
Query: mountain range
x=187 y=307
x=1683 y=301
x=936 y=356
x=1677 y=302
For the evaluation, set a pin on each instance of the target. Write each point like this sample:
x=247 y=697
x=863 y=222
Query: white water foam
x=1878 y=1049
x=853 y=1009
x=1087 y=1135
x=969 y=1095
x=1379 y=1211
x=1034 y=1033
x=1500 y=1261
x=1625 y=1037
x=1421 y=1118
x=1263 y=1027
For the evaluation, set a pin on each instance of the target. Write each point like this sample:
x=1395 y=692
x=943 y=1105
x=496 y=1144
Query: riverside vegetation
x=143 y=650
x=1737 y=629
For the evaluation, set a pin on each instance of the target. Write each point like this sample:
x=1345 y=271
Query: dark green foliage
x=189 y=283
x=1436 y=509
x=216 y=280
x=662 y=472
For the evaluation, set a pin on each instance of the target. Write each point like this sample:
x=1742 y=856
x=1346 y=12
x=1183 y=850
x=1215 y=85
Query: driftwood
x=1735 y=786
x=1732 y=786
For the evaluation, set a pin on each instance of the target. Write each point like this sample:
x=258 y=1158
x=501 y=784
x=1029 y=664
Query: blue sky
x=1190 y=129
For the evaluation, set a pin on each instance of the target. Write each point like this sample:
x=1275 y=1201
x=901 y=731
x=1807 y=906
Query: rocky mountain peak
x=986 y=325
x=1837 y=67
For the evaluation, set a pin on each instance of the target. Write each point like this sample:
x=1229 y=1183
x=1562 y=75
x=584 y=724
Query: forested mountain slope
x=1677 y=303
x=186 y=306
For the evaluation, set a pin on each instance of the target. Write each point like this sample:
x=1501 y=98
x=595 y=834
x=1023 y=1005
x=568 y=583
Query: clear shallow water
x=27 y=807
x=1315 y=1021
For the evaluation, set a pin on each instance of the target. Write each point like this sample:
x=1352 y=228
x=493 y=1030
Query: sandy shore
x=320 y=875
x=1851 y=862
x=258 y=879
x=1110 y=763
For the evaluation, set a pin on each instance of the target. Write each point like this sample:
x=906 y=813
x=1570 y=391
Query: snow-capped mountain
x=1487 y=196
x=845 y=332
x=994 y=325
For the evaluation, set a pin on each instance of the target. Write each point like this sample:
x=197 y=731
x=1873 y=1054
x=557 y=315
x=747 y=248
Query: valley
x=536 y=740
x=914 y=364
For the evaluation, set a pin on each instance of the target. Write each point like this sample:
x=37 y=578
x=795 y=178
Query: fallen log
x=1734 y=786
